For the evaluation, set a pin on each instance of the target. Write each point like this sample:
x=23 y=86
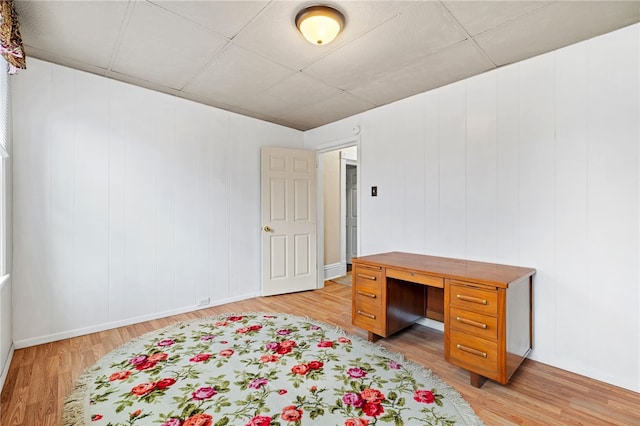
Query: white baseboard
x=428 y=322
x=24 y=343
x=5 y=368
x=335 y=270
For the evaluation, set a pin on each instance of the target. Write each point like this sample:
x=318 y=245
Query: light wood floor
x=41 y=377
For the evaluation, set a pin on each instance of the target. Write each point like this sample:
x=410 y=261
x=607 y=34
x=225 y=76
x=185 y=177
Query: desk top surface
x=487 y=273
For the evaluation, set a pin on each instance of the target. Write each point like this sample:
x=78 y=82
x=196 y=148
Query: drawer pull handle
x=364 y=293
x=472 y=323
x=471 y=299
x=472 y=351
x=368 y=277
x=364 y=314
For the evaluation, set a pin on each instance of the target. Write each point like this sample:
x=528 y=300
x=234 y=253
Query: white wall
x=129 y=204
x=534 y=164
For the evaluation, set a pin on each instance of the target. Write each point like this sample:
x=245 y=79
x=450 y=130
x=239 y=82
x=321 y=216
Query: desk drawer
x=474 y=354
x=471 y=298
x=368 y=315
x=415 y=277
x=367 y=277
x=480 y=325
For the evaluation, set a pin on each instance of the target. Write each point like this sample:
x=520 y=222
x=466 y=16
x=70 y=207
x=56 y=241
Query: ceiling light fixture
x=320 y=24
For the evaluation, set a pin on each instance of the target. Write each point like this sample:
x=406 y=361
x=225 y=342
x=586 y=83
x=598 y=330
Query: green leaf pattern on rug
x=264 y=370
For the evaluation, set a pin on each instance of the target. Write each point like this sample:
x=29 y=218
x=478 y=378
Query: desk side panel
x=518 y=324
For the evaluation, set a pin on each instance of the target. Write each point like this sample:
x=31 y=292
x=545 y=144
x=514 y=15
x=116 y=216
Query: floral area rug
x=260 y=369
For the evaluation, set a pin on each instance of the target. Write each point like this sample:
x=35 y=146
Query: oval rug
x=260 y=369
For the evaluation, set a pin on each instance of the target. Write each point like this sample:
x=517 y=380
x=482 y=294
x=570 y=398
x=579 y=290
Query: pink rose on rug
x=208 y=338
x=284 y=332
x=96 y=417
x=120 y=375
x=255 y=327
x=300 y=369
x=203 y=393
x=282 y=391
x=143 y=389
x=325 y=344
x=423 y=395
x=165 y=383
x=356 y=422
x=351 y=398
x=222 y=324
x=315 y=327
x=272 y=346
x=226 y=353
x=235 y=318
x=157 y=357
x=291 y=414
x=394 y=365
x=343 y=340
x=138 y=359
x=199 y=420
x=172 y=422
x=356 y=373
x=243 y=330
x=372 y=410
x=259 y=421
x=200 y=357
x=288 y=343
x=258 y=383
x=166 y=342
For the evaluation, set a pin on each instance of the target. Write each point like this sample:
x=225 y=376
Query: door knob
x=267 y=229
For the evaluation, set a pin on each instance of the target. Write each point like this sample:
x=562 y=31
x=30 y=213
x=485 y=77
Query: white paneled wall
x=129 y=204
x=535 y=164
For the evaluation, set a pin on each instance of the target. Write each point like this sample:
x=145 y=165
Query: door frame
x=321 y=149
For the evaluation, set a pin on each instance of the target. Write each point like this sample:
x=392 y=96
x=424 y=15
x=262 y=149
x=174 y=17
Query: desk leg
x=477 y=380
x=372 y=337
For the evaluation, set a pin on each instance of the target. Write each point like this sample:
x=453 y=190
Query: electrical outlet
x=204 y=301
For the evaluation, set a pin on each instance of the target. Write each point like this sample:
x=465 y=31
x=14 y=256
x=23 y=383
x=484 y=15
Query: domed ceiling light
x=320 y=24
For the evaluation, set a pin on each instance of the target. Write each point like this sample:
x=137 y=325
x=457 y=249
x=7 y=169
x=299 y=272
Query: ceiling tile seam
x=123 y=27
x=455 y=19
x=250 y=21
x=289 y=111
x=520 y=17
x=186 y=18
x=210 y=61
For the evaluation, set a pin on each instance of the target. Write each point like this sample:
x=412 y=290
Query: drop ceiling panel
x=294 y=92
x=163 y=48
x=236 y=76
x=557 y=25
x=443 y=67
x=224 y=17
x=417 y=32
x=479 y=16
x=327 y=111
x=82 y=31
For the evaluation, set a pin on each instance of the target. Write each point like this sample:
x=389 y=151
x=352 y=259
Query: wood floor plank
x=41 y=377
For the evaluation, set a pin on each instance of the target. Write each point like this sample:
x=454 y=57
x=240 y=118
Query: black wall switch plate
x=374 y=191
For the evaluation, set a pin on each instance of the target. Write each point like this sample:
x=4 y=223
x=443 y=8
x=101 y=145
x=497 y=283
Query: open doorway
x=340 y=210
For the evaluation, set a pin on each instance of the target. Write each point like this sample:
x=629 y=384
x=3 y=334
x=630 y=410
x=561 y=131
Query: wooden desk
x=486 y=308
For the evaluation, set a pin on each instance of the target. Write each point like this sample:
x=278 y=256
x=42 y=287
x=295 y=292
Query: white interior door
x=289 y=220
